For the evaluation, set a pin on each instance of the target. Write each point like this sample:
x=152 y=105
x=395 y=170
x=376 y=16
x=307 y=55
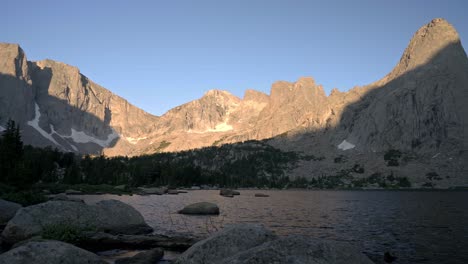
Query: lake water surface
x=418 y=227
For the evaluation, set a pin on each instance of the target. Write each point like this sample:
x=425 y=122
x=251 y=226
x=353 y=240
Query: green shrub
x=403 y=182
x=312 y=157
x=392 y=156
x=340 y=159
x=428 y=185
x=64 y=232
x=164 y=144
x=358 y=168
x=4 y=189
x=25 y=198
x=433 y=176
x=415 y=143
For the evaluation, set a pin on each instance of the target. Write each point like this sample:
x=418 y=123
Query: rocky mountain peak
x=13 y=60
x=305 y=82
x=431 y=40
x=56 y=65
x=256 y=96
x=217 y=93
x=220 y=98
x=305 y=89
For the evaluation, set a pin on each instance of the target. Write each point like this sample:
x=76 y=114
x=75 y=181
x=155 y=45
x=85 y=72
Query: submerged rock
x=261 y=195
x=389 y=258
x=147 y=257
x=202 y=208
x=100 y=241
x=7 y=210
x=226 y=243
x=300 y=249
x=108 y=216
x=228 y=192
x=50 y=252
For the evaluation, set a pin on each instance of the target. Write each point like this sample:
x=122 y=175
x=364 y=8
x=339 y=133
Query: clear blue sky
x=159 y=54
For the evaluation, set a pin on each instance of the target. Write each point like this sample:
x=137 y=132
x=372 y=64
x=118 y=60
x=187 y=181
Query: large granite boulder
x=50 y=252
x=7 y=211
x=109 y=216
x=226 y=243
x=253 y=244
x=202 y=208
x=300 y=250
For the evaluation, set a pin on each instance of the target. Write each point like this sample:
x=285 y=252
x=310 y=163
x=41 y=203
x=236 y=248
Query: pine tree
x=11 y=154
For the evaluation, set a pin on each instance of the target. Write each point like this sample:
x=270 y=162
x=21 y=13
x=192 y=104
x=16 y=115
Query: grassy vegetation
x=64 y=232
x=164 y=144
x=219 y=141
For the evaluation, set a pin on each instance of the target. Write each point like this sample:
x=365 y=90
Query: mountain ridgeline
x=412 y=123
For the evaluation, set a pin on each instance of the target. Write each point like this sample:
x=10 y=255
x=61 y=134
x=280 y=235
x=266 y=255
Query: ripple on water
x=418 y=227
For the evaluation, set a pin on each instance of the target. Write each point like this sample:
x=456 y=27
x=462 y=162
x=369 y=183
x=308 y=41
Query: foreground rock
x=300 y=249
x=226 y=243
x=50 y=252
x=64 y=197
x=100 y=241
x=108 y=216
x=203 y=208
x=7 y=211
x=149 y=191
x=261 y=195
x=147 y=257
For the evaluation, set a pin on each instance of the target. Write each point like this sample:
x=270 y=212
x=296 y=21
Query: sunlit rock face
x=419 y=106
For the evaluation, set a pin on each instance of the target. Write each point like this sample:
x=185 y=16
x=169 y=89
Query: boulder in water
x=300 y=249
x=202 y=208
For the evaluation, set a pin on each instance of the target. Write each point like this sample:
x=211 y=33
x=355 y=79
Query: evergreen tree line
x=246 y=164
x=238 y=165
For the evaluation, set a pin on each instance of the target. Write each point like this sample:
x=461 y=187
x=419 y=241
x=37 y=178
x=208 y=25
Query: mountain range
x=419 y=111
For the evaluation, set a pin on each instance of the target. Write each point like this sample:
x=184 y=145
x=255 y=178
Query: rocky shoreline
x=66 y=230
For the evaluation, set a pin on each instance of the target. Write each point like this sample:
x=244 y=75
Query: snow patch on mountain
x=35 y=124
x=82 y=137
x=345 y=145
x=134 y=140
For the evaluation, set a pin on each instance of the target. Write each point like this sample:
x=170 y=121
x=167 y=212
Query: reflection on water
x=419 y=227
